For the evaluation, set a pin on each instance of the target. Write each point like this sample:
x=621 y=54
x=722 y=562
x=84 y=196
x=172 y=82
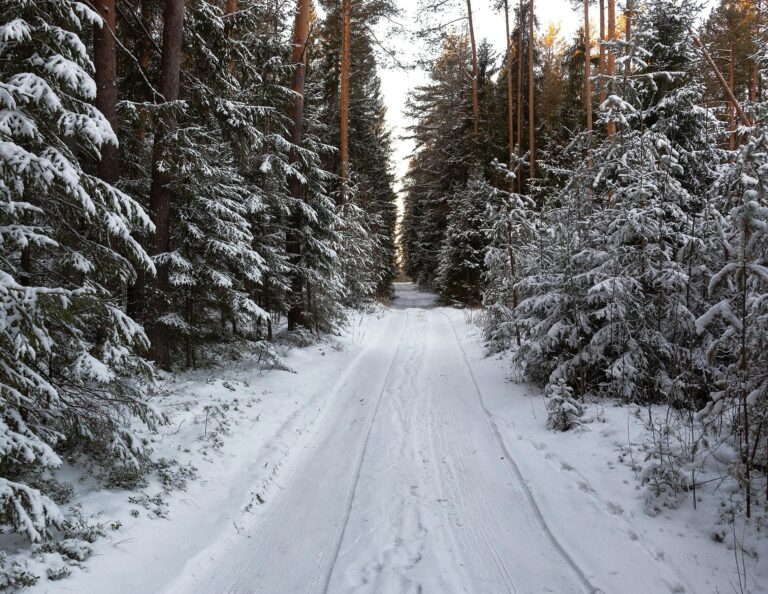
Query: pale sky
x=396 y=83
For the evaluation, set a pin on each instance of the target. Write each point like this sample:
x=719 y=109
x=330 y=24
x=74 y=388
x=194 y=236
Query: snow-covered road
x=404 y=486
x=397 y=459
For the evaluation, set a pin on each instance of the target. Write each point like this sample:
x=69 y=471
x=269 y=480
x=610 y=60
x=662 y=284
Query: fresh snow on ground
x=396 y=459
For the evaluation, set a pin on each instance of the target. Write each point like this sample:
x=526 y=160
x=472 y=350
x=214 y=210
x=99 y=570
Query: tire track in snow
x=361 y=458
x=299 y=523
x=515 y=471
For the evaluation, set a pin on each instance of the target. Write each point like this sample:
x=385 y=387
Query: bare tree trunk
x=160 y=194
x=137 y=291
x=189 y=343
x=344 y=99
x=105 y=61
x=755 y=69
x=293 y=240
x=601 y=67
x=587 y=68
x=510 y=106
x=743 y=364
x=731 y=106
x=611 y=35
x=475 y=75
x=531 y=110
x=721 y=79
x=628 y=14
x=520 y=88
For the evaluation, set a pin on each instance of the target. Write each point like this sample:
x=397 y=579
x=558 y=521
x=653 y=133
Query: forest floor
x=396 y=459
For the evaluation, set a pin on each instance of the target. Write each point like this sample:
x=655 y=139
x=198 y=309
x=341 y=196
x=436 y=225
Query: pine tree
x=368 y=170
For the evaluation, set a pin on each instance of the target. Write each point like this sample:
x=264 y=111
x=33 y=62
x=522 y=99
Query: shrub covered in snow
x=564 y=411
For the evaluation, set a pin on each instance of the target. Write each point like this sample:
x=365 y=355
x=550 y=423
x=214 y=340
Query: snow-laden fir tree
x=70 y=365
x=736 y=325
x=511 y=231
x=637 y=254
x=551 y=315
x=461 y=261
x=442 y=160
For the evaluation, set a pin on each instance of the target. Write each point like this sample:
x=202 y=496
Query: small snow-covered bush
x=564 y=412
x=27 y=510
x=60 y=492
x=173 y=476
x=126 y=477
x=58 y=572
x=666 y=487
x=298 y=338
x=15 y=574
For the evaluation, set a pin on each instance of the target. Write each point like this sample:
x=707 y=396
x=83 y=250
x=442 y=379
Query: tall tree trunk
x=731 y=106
x=475 y=75
x=754 y=67
x=587 y=68
x=520 y=88
x=531 y=110
x=137 y=292
x=160 y=194
x=510 y=105
x=344 y=99
x=628 y=14
x=611 y=35
x=293 y=240
x=105 y=61
x=721 y=79
x=601 y=66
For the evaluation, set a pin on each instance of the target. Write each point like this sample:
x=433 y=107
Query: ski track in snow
x=405 y=487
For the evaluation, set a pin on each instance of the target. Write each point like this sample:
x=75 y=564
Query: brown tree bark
x=137 y=291
x=611 y=35
x=344 y=99
x=601 y=66
x=721 y=79
x=628 y=14
x=754 y=75
x=105 y=64
x=160 y=195
x=520 y=88
x=731 y=106
x=531 y=110
x=587 y=68
x=105 y=61
x=475 y=75
x=293 y=239
x=510 y=105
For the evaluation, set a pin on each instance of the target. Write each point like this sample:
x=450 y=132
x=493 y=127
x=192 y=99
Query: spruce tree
x=70 y=358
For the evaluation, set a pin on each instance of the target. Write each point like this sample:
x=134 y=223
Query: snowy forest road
x=404 y=487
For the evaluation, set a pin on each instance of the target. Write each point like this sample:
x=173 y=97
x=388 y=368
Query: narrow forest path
x=405 y=486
